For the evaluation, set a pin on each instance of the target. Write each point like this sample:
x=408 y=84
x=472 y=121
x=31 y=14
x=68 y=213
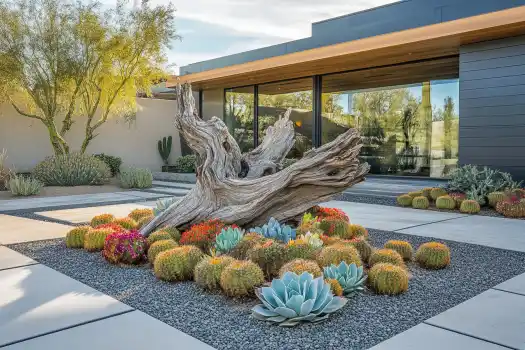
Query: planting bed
x=225 y=323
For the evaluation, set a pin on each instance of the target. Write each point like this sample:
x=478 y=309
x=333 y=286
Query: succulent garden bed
x=316 y=278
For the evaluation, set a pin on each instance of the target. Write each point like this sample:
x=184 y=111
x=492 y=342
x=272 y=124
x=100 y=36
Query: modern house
x=430 y=84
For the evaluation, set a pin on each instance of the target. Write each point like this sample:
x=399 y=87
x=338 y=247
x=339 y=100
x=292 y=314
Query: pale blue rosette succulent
x=274 y=230
x=228 y=239
x=350 y=277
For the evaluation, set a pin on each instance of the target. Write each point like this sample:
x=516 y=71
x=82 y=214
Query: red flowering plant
x=111 y=226
x=125 y=247
x=322 y=212
x=513 y=207
x=203 y=235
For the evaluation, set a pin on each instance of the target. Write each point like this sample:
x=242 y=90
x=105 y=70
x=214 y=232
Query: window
x=238 y=116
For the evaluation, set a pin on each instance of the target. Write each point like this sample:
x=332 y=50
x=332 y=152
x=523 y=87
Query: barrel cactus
x=469 y=207
x=158 y=247
x=143 y=221
x=274 y=230
x=445 y=202
x=336 y=227
x=94 y=239
x=433 y=255
x=102 y=219
x=174 y=233
x=363 y=247
x=405 y=200
x=248 y=241
x=511 y=208
x=404 y=248
x=208 y=271
x=335 y=287
x=294 y=299
x=138 y=214
x=300 y=249
x=127 y=223
x=240 y=278
x=337 y=253
x=415 y=194
x=298 y=266
x=496 y=197
x=75 y=237
x=388 y=279
x=350 y=276
x=178 y=263
x=437 y=192
x=160 y=235
x=425 y=192
x=358 y=231
x=420 y=203
x=270 y=256
x=458 y=197
x=386 y=256
x=228 y=239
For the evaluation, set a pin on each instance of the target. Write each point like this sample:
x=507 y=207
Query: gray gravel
x=225 y=323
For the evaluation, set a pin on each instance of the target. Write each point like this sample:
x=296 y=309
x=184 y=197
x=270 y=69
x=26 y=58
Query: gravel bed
x=225 y=323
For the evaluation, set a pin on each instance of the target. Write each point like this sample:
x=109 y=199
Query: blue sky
x=215 y=28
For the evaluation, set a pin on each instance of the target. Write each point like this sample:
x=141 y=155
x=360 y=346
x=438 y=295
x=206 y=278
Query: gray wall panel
x=492 y=105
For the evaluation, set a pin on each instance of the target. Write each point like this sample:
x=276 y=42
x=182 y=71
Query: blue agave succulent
x=228 y=239
x=274 y=230
x=294 y=298
x=163 y=204
x=350 y=277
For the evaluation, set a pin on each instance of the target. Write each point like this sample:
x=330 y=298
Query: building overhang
x=423 y=43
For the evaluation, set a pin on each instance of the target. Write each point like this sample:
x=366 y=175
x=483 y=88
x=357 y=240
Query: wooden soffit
x=437 y=40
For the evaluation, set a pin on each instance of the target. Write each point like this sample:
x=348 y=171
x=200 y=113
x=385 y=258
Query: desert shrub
x=159 y=235
x=112 y=162
x=405 y=200
x=469 y=207
x=143 y=221
x=21 y=185
x=240 y=278
x=172 y=230
x=415 y=194
x=72 y=169
x=250 y=240
x=94 y=239
x=420 y=203
x=323 y=212
x=437 y=192
x=158 y=247
x=270 y=256
x=186 y=164
x=75 y=237
x=445 y=202
x=5 y=172
x=478 y=182
x=495 y=197
x=389 y=256
x=404 y=248
x=208 y=271
x=298 y=266
x=335 y=287
x=433 y=255
x=358 y=231
x=388 y=279
x=512 y=207
x=203 y=235
x=137 y=214
x=125 y=248
x=333 y=226
x=136 y=178
x=102 y=219
x=363 y=247
x=126 y=222
x=178 y=263
x=300 y=249
x=287 y=162
x=336 y=253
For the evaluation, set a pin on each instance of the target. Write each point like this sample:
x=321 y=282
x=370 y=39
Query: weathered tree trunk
x=249 y=189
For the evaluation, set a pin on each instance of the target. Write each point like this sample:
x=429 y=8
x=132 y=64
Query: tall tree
x=448 y=115
x=61 y=59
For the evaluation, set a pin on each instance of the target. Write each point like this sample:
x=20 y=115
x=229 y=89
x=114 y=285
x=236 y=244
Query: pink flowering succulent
x=125 y=247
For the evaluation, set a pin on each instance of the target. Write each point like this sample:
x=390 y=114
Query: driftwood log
x=248 y=189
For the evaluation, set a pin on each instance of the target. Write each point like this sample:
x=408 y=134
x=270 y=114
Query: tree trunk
x=249 y=189
x=58 y=143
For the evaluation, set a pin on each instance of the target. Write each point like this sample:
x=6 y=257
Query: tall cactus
x=164 y=146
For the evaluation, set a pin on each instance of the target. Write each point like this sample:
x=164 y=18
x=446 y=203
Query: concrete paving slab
x=484 y=230
x=14 y=229
x=144 y=195
x=389 y=218
x=494 y=315
x=10 y=259
x=514 y=285
x=428 y=337
x=36 y=300
x=134 y=330
x=173 y=184
x=174 y=191
x=79 y=215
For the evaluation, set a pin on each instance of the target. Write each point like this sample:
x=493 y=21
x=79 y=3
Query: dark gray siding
x=492 y=104
x=390 y=18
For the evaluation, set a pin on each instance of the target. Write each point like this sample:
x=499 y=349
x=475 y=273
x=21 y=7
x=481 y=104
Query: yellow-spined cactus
x=159 y=235
x=143 y=221
x=138 y=214
x=420 y=203
x=240 y=278
x=333 y=226
x=94 y=239
x=335 y=286
x=172 y=230
x=404 y=248
x=158 y=247
x=405 y=200
x=363 y=247
x=336 y=253
x=445 y=202
x=426 y=192
x=102 y=219
x=469 y=207
x=298 y=266
x=177 y=264
x=127 y=223
x=208 y=271
x=75 y=237
x=433 y=255
x=248 y=241
x=384 y=255
x=437 y=192
x=415 y=194
x=300 y=249
x=496 y=197
x=358 y=231
x=388 y=279
x=270 y=256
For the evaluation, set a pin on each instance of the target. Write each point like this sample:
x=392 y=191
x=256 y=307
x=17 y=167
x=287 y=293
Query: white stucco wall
x=27 y=142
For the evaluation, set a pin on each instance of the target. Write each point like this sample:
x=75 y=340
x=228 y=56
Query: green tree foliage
x=61 y=59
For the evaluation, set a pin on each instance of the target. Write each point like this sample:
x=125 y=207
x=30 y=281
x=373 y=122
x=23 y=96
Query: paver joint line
x=508 y=291
x=430 y=223
x=17 y=267
x=65 y=328
x=471 y=336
